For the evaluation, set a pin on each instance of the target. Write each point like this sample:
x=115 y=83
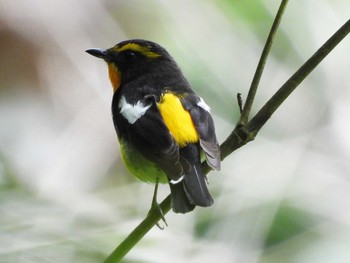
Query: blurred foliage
x=288 y=223
x=253 y=13
x=18 y=61
x=8 y=179
x=259 y=19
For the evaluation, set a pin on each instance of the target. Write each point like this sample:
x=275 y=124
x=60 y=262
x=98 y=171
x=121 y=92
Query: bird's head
x=132 y=58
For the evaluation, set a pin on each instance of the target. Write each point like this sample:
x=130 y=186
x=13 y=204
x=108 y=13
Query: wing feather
x=204 y=124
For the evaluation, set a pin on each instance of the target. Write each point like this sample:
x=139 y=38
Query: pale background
x=64 y=193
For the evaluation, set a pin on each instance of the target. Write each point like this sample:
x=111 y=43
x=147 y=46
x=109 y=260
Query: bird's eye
x=130 y=55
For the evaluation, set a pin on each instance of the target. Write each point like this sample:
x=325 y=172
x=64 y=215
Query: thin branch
x=258 y=121
x=137 y=234
x=241 y=135
x=261 y=65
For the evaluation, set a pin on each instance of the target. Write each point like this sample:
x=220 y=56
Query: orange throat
x=114 y=76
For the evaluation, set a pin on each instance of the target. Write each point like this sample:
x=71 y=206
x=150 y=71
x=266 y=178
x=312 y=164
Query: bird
x=163 y=127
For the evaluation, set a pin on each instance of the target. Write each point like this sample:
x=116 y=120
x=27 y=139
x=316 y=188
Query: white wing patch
x=203 y=105
x=177 y=181
x=132 y=112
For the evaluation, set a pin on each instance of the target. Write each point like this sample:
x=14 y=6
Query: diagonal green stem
x=137 y=234
x=244 y=134
x=292 y=83
x=261 y=65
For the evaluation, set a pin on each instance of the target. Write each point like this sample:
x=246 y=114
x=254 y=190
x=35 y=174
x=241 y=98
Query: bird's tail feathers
x=179 y=200
x=195 y=186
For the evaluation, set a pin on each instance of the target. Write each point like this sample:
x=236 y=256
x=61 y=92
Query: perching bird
x=163 y=126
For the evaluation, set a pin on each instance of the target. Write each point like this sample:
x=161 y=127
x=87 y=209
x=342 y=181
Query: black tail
x=179 y=200
x=192 y=190
x=196 y=188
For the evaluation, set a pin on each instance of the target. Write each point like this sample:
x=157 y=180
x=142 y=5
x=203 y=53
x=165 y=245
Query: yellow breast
x=177 y=119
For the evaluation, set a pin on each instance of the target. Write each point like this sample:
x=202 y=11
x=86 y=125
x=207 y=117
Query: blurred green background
x=64 y=193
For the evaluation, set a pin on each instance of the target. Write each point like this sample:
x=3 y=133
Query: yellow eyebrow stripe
x=177 y=119
x=138 y=48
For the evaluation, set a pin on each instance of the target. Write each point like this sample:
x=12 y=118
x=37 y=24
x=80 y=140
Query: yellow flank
x=144 y=50
x=177 y=119
x=114 y=76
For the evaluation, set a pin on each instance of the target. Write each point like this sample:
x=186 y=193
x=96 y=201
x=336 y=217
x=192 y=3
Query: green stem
x=137 y=234
x=242 y=134
x=261 y=65
x=258 y=121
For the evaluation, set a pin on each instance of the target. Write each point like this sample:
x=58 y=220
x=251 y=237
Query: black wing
x=204 y=124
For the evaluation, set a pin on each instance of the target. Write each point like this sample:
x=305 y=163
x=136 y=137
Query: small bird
x=163 y=126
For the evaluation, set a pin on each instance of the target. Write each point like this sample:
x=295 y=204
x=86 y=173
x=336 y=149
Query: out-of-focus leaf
x=288 y=222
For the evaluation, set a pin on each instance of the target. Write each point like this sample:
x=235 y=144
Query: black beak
x=97 y=52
